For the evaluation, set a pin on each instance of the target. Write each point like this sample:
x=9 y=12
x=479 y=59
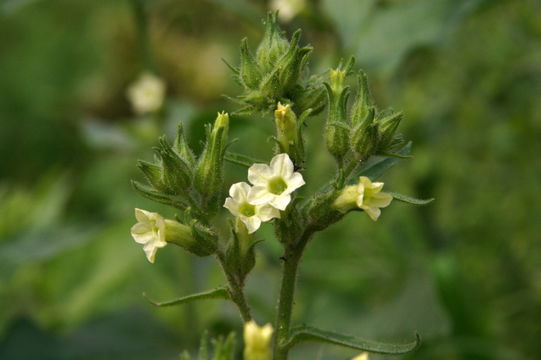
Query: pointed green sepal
x=209 y=173
x=181 y=147
x=249 y=71
x=363 y=102
x=154 y=195
x=153 y=174
x=177 y=174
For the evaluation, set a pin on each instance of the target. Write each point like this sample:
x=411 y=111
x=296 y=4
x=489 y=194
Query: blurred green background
x=464 y=272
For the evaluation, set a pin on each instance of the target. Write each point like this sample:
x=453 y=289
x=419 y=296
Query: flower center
x=247 y=209
x=277 y=185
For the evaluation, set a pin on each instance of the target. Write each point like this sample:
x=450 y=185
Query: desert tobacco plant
x=363 y=140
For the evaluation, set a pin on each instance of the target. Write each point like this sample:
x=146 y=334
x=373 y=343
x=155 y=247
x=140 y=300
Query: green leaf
x=218 y=293
x=240 y=159
x=375 y=170
x=308 y=333
x=411 y=200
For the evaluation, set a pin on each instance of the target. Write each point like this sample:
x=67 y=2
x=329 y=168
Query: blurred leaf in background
x=463 y=272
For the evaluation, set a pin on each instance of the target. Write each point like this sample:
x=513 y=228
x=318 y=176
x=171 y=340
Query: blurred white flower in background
x=287 y=9
x=147 y=93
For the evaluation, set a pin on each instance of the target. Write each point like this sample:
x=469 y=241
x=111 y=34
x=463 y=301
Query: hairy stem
x=236 y=293
x=292 y=257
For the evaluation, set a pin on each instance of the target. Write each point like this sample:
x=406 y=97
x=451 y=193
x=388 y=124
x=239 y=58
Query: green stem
x=236 y=293
x=292 y=257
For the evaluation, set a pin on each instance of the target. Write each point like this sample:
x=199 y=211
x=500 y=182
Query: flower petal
x=267 y=212
x=232 y=205
x=143 y=238
x=379 y=200
x=259 y=194
x=373 y=212
x=282 y=165
x=252 y=223
x=294 y=182
x=142 y=215
x=280 y=202
x=140 y=228
x=239 y=191
x=259 y=174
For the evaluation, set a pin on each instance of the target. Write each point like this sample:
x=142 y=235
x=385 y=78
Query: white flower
x=250 y=214
x=274 y=184
x=257 y=341
x=149 y=231
x=287 y=9
x=146 y=94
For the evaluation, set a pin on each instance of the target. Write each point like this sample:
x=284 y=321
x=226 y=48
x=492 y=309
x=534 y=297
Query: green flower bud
x=209 y=172
x=364 y=103
x=365 y=137
x=182 y=148
x=273 y=45
x=292 y=63
x=176 y=173
x=337 y=128
x=153 y=174
x=275 y=73
x=388 y=127
x=249 y=70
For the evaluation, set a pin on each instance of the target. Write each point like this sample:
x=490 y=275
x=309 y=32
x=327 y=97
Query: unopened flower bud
x=336 y=80
x=337 y=129
x=177 y=173
x=363 y=102
x=257 y=341
x=249 y=70
x=291 y=64
x=153 y=174
x=209 y=173
x=365 y=138
x=273 y=45
x=388 y=127
x=288 y=133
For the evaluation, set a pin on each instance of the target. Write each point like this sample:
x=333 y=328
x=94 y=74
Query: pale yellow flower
x=250 y=214
x=149 y=231
x=147 y=93
x=361 y=356
x=257 y=341
x=366 y=195
x=274 y=184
